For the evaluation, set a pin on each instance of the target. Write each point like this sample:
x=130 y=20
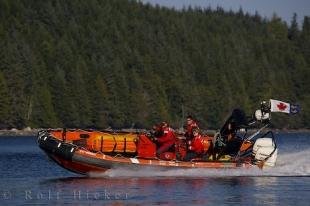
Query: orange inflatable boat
x=241 y=142
x=83 y=151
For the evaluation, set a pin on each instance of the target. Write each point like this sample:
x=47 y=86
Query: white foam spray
x=288 y=164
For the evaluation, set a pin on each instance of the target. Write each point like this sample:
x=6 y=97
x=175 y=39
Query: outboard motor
x=265 y=151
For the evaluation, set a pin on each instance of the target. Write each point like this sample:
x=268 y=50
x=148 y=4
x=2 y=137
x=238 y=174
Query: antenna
x=183 y=116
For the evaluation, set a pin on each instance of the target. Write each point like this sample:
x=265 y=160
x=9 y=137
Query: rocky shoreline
x=17 y=132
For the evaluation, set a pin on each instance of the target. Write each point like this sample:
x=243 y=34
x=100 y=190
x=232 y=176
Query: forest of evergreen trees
x=102 y=63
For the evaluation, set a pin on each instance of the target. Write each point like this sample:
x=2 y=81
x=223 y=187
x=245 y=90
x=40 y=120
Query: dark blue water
x=27 y=177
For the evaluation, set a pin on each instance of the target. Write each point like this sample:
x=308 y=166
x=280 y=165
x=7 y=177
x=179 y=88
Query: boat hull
x=83 y=161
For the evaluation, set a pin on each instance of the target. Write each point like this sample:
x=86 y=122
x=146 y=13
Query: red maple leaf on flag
x=281 y=106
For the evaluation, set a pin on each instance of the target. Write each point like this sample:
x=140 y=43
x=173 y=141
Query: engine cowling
x=265 y=149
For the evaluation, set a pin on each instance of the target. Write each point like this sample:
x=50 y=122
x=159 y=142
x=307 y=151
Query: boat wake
x=288 y=164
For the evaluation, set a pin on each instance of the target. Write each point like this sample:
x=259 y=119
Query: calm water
x=27 y=177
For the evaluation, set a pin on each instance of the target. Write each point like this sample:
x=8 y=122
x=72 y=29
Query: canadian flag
x=279 y=106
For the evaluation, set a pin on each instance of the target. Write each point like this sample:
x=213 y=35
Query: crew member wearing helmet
x=157 y=131
x=166 y=140
x=198 y=146
x=191 y=124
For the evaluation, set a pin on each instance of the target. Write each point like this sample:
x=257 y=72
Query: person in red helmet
x=191 y=124
x=167 y=139
x=157 y=131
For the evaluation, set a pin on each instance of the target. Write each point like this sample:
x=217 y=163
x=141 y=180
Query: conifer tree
x=4 y=103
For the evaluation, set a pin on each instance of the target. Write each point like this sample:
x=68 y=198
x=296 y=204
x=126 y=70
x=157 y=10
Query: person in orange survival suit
x=167 y=140
x=191 y=124
x=197 y=146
